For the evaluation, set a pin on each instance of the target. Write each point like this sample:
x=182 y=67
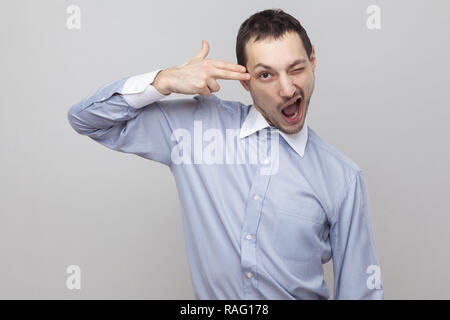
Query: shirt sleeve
x=357 y=274
x=138 y=91
x=127 y=116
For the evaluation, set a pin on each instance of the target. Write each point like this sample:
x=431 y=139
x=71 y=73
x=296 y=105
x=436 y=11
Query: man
x=256 y=229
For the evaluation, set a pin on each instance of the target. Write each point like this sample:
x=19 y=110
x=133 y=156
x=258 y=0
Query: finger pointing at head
x=227 y=65
x=230 y=75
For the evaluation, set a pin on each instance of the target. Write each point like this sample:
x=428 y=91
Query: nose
x=287 y=88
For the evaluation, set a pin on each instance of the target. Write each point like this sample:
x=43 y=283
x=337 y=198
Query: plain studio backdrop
x=381 y=97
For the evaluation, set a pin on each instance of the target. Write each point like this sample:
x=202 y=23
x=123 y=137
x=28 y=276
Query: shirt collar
x=255 y=122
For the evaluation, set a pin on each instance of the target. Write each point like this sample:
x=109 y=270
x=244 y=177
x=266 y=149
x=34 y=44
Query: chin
x=291 y=129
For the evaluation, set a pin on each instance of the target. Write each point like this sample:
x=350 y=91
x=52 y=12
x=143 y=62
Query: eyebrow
x=298 y=61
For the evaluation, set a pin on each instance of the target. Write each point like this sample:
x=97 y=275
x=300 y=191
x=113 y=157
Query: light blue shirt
x=261 y=210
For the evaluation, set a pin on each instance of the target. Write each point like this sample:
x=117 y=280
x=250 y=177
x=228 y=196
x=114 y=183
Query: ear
x=245 y=84
x=312 y=59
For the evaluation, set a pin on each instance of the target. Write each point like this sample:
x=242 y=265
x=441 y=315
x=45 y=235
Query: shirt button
x=248 y=237
x=249 y=275
x=266 y=161
x=256 y=197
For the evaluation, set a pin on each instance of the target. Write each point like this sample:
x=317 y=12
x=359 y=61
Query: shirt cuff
x=138 y=91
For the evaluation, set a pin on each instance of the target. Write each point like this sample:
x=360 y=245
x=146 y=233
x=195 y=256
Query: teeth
x=294 y=115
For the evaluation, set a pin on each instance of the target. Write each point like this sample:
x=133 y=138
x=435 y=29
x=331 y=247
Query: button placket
x=253 y=212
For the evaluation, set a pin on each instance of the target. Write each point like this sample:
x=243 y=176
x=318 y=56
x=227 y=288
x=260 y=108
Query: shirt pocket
x=297 y=230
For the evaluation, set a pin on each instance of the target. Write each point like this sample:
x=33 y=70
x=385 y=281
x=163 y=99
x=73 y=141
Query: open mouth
x=293 y=112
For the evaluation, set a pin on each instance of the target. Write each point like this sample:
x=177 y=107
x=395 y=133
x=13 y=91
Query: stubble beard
x=289 y=129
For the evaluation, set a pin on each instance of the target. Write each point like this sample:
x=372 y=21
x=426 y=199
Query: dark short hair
x=271 y=23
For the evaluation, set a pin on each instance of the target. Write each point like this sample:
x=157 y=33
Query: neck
x=263 y=114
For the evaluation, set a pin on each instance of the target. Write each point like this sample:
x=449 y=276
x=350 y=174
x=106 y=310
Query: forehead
x=275 y=53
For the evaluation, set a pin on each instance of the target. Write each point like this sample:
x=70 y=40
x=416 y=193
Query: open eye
x=261 y=75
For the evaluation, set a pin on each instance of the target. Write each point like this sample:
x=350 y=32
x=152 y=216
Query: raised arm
x=127 y=116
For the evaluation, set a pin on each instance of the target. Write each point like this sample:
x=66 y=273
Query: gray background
x=380 y=97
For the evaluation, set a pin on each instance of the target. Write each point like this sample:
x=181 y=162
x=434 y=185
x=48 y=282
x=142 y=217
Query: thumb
x=203 y=51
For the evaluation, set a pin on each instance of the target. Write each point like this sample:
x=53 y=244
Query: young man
x=256 y=226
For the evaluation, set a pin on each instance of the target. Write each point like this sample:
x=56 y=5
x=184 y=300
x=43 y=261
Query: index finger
x=228 y=65
x=230 y=75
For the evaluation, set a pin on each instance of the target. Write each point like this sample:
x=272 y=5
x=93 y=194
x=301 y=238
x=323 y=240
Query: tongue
x=290 y=110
